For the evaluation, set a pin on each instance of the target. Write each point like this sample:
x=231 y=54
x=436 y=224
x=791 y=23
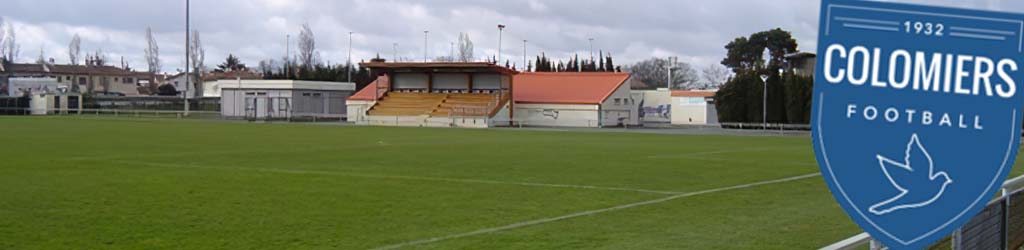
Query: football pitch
x=78 y=183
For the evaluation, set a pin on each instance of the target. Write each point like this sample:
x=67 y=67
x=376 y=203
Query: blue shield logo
x=917 y=114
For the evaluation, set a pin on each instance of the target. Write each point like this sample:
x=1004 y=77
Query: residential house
x=89 y=78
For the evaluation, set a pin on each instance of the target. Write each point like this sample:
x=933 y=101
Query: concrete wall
x=693 y=111
x=489 y=81
x=620 y=108
x=656 y=105
x=409 y=81
x=557 y=115
x=450 y=81
x=357 y=110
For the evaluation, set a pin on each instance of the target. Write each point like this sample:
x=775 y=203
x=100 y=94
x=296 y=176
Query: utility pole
x=187 y=53
x=501 y=27
x=348 y=67
x=425 y=49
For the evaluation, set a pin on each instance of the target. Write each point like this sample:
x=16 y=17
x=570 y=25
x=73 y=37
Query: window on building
x=130 y=80
x=59 y=79
x=68 y=78
x=317 y=94
x=81 y=81
x=618 y=101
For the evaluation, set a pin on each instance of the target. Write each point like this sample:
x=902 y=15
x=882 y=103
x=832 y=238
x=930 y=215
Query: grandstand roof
x=369 y=93
x=437 y=67
x=694 y=93
x=566 y=88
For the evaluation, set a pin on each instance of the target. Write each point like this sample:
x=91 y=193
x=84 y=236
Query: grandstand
x=434 y=95
x=484 y=95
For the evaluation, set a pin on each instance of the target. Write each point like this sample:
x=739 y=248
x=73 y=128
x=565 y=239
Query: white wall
x=620 y=105
x=557 y=115
x=357 y=110
x=690 y=111
x=657 y=105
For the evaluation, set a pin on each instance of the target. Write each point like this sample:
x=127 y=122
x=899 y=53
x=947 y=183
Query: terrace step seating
x=465 y=105
x=407 y=104
x=434 y=104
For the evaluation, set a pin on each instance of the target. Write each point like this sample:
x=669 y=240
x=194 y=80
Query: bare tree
x=74 y=49
x=10 y=44
x=152 y=52
x=42 y=56
x=307 y=46
x=654 y=72
x=3 y=35
x=465 y=48
x=198 y=53
x=715 y=75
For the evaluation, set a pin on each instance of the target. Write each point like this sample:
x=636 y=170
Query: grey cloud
x=694 y=30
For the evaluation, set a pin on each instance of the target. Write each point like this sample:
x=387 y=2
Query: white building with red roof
x=584 y=99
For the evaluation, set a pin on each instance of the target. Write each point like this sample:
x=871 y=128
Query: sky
x=696 y=31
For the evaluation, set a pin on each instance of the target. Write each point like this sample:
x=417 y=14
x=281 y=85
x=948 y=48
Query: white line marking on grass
x=590 y=212
x=724 y=151
x=401 y=177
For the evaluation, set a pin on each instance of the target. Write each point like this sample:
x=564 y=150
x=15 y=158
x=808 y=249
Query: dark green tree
x=744 y=54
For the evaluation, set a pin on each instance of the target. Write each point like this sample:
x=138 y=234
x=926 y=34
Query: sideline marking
x=400 y=177
x=590 y=212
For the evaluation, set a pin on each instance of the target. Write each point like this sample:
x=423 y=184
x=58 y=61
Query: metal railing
x=1011 y=235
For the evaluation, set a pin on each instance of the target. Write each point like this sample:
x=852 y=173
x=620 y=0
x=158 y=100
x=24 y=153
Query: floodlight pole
x=287 y=48
x=425 y=49
x=187 y=54
x=671 y=63
x=591 y=48
x=501 y=27
x=348 y=67
x=524 y=54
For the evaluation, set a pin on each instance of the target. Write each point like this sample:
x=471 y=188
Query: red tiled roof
x=693 y=93
x=566 y=88
x=369 y=93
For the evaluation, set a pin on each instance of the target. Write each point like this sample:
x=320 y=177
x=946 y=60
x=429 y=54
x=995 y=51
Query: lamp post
x=187 y=53
x=501 y=27
x=425 y=49
x=765 y=56
x=395 y=47
x=348 y=66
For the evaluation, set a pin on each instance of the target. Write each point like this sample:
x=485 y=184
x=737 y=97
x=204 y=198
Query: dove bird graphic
x=914 y=177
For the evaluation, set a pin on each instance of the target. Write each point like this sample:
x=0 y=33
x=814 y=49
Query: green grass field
x=78 y=183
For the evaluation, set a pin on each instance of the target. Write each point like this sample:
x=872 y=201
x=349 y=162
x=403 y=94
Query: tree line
x=741 y=98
